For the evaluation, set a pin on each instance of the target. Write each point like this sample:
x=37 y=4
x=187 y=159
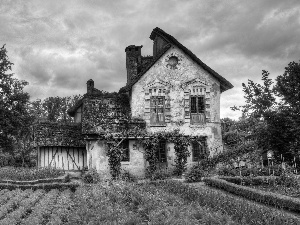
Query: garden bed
x=273 y=199
x=62 y=179
x=280 y=189
x=35 y=207
x=240 y=209
x=28 y=174
x=44 y=186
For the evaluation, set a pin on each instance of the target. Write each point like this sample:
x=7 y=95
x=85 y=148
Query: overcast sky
x=58 y=45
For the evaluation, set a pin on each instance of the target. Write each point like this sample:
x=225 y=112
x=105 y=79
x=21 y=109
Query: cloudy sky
x=58 y=45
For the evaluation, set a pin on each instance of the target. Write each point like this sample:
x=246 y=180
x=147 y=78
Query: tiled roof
x=225 y=84
x=95 y=94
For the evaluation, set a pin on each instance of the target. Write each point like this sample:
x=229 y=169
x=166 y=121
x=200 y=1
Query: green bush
x=194 y=174
x=44 y=186
x=288 y=179
x=158 y=174
x=269 y=198
x=260 y=180
x=224 y=171
x=266 y=171
x=240 y=209
x=25 y=174
x=127 y=176
x=91 y=176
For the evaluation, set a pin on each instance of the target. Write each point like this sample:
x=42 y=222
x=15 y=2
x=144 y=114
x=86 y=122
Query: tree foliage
x=275 y=109
x=53 y=109
x=15 y=119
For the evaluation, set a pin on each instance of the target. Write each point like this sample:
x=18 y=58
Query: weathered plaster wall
x=137 y=163
x=97 y=159
x=177 y=82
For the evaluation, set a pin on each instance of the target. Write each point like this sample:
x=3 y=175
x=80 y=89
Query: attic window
x=173 y=61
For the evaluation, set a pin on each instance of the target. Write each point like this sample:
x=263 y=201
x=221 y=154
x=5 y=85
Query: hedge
x=251 y=180
x=45 y=186
x=32 y=182
x=277 y=200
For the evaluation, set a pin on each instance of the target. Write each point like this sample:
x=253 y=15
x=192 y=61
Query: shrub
x=224 y=171
x=23 y=174
x=266 y=171
x=158 y=174
x=194 y=174
x=260 y=180
x=240 y=209
x=288 y=179
x=277 y=200
x=127 y=176
x=91 y=176
x=45 y=186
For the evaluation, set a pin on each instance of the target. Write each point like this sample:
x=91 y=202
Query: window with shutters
x=198 y=150
x=157 y=110
x=126 y=154
x=197 y=110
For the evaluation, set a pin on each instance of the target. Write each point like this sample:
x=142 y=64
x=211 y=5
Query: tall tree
x=15 y=119
x=276 y=110
x=54 y=109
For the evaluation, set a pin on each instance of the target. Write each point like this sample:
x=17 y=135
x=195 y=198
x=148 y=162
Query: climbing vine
x=114 y=153
x=181 y=150
x=111 y=120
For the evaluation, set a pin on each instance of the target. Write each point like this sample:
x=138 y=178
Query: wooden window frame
x=154 y=109
x=201 y=148
x=200 y=109
x=161 y=150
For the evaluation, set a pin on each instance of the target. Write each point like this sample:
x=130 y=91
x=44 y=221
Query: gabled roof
x=224 y=84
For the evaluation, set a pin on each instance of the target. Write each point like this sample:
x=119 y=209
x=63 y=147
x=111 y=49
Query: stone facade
x=181 y=82
x=171 y=90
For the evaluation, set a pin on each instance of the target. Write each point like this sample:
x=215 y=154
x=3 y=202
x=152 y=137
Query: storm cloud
x=58 y=45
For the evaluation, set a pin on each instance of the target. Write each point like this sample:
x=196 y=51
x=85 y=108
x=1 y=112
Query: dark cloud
x=58 y=45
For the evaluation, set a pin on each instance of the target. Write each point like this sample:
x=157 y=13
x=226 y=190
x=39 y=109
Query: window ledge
x=160 y=125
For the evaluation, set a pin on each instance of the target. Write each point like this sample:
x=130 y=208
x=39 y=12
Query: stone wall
x=177 y=83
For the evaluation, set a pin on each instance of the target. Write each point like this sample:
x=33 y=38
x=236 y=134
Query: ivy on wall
x=58 y=134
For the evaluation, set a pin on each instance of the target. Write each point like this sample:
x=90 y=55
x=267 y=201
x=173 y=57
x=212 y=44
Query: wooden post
x=38 y=163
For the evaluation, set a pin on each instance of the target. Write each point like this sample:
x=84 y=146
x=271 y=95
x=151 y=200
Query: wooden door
x=161 y=155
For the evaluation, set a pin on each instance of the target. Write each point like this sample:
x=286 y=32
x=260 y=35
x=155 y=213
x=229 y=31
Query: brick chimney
x=133 y=59
x=90 y=86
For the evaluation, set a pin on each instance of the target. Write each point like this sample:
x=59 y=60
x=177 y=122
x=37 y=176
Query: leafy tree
x=288 y=87
x=54 y=109
x=275 y=111
x=15 y=118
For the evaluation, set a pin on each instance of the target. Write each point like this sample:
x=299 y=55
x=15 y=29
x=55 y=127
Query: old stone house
x=173 y=89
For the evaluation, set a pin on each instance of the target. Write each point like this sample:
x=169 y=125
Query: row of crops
x=34 y=207
x=119 y=202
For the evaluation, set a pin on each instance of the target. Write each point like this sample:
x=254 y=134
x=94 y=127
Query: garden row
x=277 y=200
x=34 y=207
x=131 y=203
x=240 y=209
x=28 y=174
